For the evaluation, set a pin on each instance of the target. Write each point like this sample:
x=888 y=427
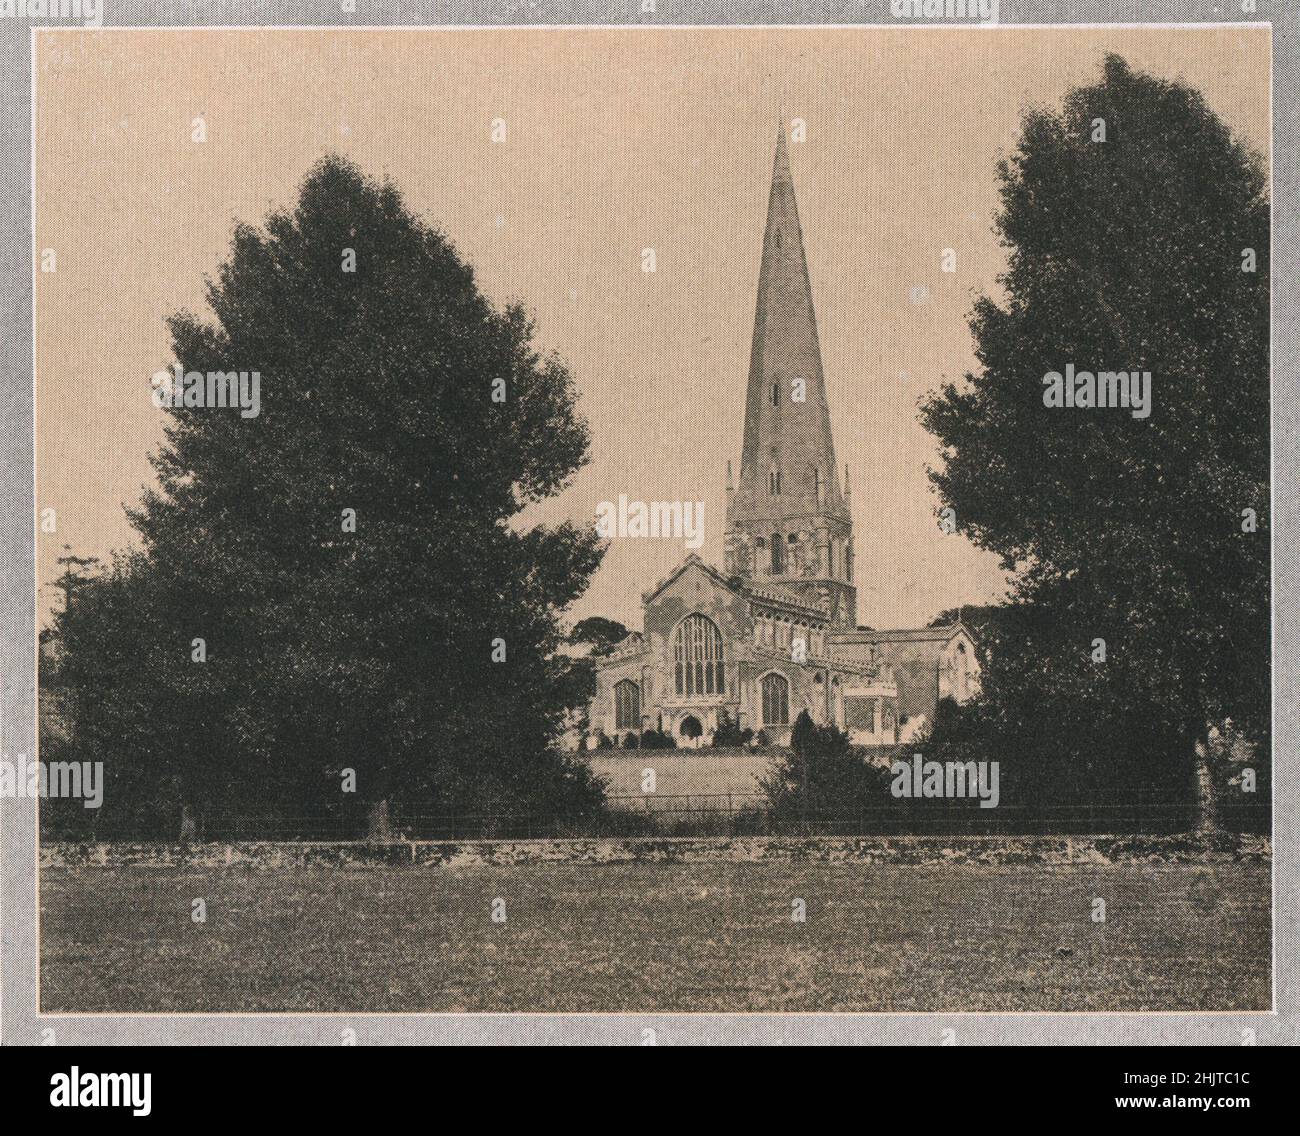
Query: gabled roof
x=943 y=634
x=717 y=577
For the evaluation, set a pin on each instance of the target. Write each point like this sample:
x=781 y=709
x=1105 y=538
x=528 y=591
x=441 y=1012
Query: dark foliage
x=821 y=775
x=601 y=634
x=1126 y=255
x=729 y=732
x=328 y=649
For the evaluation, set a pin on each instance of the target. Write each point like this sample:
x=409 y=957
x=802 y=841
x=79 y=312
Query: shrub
x=822 y=774
x=729 y=732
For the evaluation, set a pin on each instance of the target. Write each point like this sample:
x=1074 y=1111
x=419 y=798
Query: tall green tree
x=600 y=634
x=1137 y=232
x=353 y=556
x=822 y=779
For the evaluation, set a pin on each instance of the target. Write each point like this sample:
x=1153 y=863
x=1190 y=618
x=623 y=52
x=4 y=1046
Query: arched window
x=627 y=705
x=697 y=650
x=774 y=483
x=778 y=555
x=776 y=394
x=776 y=700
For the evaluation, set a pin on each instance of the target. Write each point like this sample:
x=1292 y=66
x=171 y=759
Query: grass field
x=697 y=772
x=658 y=937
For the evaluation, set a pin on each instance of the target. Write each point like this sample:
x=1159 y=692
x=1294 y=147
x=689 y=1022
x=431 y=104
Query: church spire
x=787 y=420
x=788 y=519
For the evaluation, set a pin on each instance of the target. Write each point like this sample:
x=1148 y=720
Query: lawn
x=657 y=937
x=679 y=773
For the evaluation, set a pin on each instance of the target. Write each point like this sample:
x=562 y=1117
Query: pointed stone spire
x=788 y=519
x=787 y=419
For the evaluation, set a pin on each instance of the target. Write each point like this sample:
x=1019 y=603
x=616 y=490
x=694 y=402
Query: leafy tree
x=602 y=634
x=1147 y=251
x=353 y=556
x=729 y=733
x=822 y=776
x=76 y=571
x=983 y=621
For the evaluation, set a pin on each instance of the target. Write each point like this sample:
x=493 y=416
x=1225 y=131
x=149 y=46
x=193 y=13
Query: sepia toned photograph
x=612 y=520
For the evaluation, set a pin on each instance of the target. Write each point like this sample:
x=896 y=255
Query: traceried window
x=776 y=701
x=627 y=705
x=697 y=651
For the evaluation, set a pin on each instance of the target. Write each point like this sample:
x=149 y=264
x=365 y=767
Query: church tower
x=787 y=520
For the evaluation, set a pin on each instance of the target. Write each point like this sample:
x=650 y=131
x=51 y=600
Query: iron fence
x=720 y=814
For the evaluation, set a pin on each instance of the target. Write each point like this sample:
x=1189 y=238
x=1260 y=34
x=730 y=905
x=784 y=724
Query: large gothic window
x=627 y=705
x=776 y=701
x=697 y=650
x=778 y=555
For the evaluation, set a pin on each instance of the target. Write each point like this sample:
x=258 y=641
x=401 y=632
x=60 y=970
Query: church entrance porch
x=690 y=730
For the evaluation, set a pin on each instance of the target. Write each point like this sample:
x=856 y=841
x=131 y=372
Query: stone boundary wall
x=971 y=850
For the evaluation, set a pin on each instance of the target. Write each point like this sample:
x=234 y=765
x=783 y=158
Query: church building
x=775 y=631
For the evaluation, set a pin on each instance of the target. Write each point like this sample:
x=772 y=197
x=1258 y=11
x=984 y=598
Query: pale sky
x=617 y=140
